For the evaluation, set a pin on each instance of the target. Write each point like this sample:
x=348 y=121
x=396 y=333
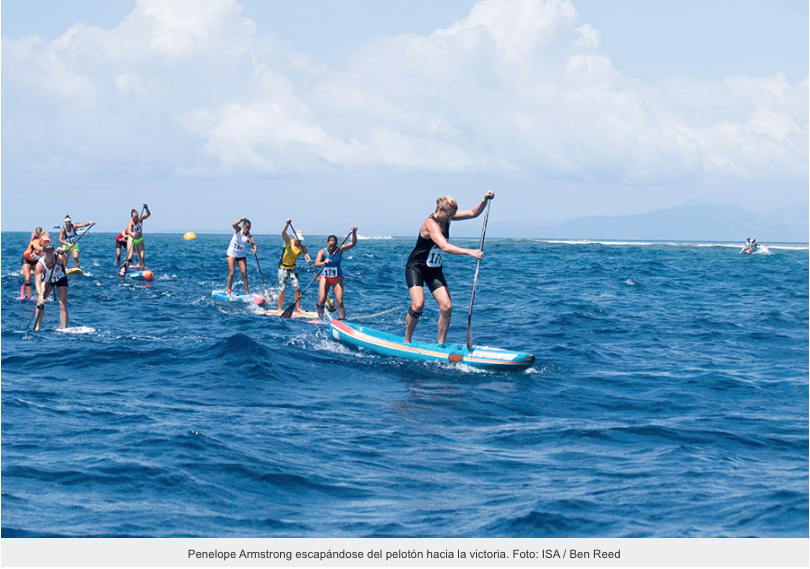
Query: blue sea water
x=669 y=399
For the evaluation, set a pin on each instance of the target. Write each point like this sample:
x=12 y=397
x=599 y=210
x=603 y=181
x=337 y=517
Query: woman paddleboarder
x=68 y=237
x=33 y=253
x=236 y=252
x=293 y=248
x=134 y=234
x=51 y=272
x=425 y=262
x=332 y=275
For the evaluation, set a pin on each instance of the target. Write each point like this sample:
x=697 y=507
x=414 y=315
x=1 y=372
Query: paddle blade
x=469 y=338
x=288 y=312
x=123 y=270
x=330 y=305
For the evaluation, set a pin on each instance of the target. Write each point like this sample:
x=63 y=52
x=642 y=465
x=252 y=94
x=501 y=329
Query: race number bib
x=434 y=257
x=330 y=272
x=238 y=247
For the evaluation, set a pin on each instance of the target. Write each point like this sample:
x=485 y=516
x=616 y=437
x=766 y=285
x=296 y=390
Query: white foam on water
x=738 y=246
x=76 y=330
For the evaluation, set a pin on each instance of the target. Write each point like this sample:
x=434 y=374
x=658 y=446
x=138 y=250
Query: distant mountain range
x=693 y=222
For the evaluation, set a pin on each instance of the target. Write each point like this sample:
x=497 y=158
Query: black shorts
x=32 y=263
x=61 y=282
x=415 y=275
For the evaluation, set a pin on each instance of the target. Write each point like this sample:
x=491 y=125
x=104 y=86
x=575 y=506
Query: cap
x=299 y=234
x=67 y=218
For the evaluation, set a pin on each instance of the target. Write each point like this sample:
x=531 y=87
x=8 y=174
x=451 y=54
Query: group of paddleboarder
x=424 y=265
x=48 y=263
x=328 y=260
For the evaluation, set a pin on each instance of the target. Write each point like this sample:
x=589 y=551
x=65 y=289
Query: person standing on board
x=332 y=275
x=425 y=262
x=51 y=272
x=120 y=243
x=135 y=236
x=236 y=252
x=33 y=253
x=293 y=248
x=68 y=237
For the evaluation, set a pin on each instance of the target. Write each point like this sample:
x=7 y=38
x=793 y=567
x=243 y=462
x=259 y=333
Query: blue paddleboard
x=139 y=275
x=390 y=345
x=224 y=296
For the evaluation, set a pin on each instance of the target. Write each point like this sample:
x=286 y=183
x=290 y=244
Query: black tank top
x=423 y=246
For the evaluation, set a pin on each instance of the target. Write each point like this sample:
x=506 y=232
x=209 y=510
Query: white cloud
x=191 y=86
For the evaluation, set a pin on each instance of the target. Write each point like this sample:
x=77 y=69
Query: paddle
x=330 y=304
x=289 y=310
x=125 y=267
x=475 y=281
x=266 y=292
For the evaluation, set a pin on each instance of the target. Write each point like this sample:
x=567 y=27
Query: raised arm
x=236 y=227
x=438 y=238
x=476 y=211
x=80 y=225
x=352 y=243
x=284 y=232
x=148 y=213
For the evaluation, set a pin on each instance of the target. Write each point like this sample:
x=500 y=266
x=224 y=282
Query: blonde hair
x=447 y=203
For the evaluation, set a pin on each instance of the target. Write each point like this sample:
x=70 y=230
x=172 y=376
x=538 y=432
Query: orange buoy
x=189 y=236
x=147 y=274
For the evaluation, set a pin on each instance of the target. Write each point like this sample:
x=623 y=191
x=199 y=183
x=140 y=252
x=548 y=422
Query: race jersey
x=137 y=228
x=53 y=274
x=34 y=251
x=289 y=255
x=332 y=268
x=426 y=252
x=237 y=246
x=71 y=236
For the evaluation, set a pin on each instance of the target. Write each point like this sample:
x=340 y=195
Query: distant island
x=692 y=222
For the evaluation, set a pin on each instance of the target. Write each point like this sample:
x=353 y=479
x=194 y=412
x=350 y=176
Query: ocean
x=669 y=398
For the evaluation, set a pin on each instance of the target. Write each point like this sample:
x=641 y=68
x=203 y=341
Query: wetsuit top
x=237 y=246
x=426 y=252
x=53 y=274
x=34 y=251
x=71 y=236
x=332 y=269
x=290 y=255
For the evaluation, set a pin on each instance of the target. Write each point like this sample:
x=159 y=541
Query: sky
x=359 y=112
